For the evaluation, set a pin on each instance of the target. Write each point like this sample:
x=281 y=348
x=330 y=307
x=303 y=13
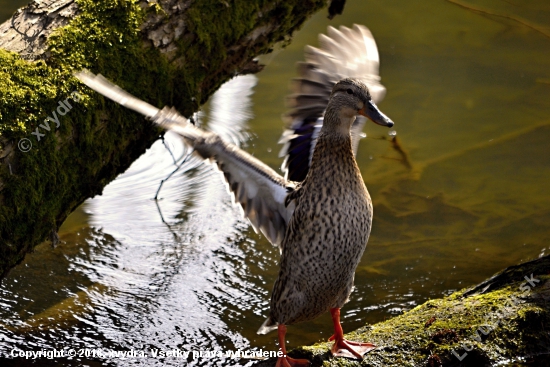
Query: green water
x=464 y=195
x=9 y=7
x=469 y=93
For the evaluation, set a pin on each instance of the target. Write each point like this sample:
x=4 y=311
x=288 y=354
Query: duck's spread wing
x=258 y=189
x=343 y=53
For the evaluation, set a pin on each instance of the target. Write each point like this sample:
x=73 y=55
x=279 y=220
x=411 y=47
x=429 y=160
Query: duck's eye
x=349 y=91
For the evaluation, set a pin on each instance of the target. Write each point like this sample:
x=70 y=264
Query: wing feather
x=255 y=187
x=347 y=52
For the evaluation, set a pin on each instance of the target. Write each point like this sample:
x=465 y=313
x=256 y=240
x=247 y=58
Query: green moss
x=229 y=21
x=96 y=140
x=54 y=177
x=22 y=88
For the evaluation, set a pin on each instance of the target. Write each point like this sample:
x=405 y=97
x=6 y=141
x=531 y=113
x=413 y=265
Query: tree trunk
x=60 y=143
x=505 y=318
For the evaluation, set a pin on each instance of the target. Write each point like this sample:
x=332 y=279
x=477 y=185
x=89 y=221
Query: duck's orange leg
x=343 y=347
x=285 y=361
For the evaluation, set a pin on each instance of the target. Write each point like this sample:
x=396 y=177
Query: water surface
x=464 y=195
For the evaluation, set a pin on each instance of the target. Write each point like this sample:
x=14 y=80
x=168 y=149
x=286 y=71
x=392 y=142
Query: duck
x=319 y=212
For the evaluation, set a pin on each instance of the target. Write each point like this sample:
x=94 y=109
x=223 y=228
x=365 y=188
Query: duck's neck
x=333 y=158
x=337 y=121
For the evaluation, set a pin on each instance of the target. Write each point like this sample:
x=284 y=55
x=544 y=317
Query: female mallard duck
x=323 y=222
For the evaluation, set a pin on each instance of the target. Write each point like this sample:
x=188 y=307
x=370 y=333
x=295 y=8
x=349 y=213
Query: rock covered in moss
x=505 y=318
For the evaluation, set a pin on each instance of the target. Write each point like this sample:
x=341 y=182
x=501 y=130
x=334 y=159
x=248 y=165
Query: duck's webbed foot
x=343 y=347
x=349 y=349
x=287 y=361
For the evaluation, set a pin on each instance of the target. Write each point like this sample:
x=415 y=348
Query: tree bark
x=505 y=318
x=59 y=142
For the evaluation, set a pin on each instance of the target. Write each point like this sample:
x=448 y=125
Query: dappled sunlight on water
x=461 y=194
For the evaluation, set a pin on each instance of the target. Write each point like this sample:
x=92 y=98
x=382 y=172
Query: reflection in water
x=463 y=195
x=130 y=285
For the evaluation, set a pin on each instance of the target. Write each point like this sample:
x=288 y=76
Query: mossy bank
x=61 y=144
x=502 y=321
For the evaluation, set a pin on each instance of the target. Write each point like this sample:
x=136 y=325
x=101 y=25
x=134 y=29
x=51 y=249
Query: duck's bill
x=371 y=111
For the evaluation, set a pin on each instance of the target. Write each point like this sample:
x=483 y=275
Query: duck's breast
x=323 y=245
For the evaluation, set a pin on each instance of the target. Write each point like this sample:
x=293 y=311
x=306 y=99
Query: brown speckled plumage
x=329 y=229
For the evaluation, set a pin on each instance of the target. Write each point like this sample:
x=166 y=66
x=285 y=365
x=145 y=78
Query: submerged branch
x=509 y=17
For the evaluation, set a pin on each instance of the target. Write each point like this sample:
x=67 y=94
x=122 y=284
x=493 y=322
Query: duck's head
x=349 y=98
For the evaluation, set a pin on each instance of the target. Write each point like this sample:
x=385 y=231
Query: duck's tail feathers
x=268 y=326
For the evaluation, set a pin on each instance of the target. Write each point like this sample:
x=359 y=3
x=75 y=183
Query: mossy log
x=60 y=143
x=498 y=322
